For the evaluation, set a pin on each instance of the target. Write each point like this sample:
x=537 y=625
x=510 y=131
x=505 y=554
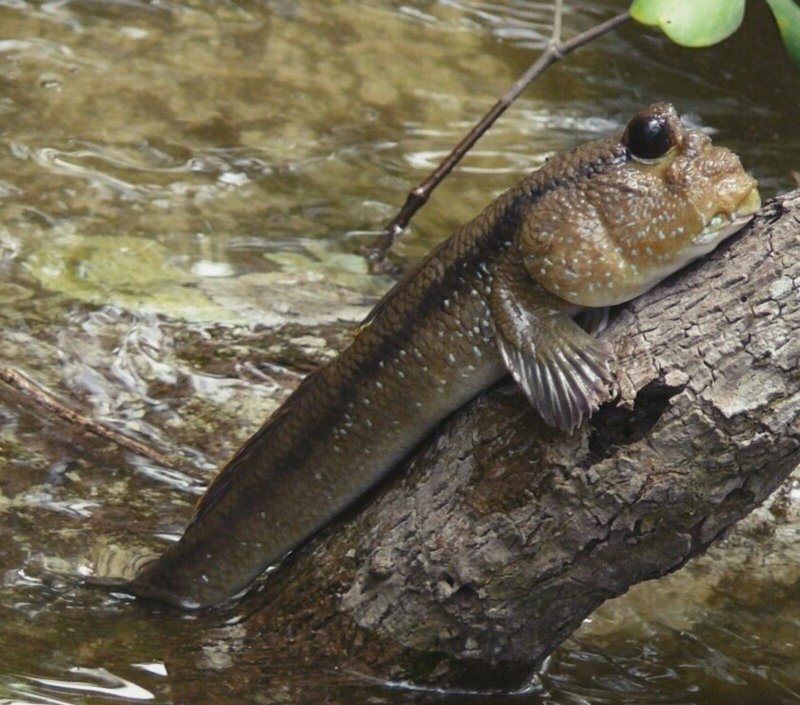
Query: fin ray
x=564 y=371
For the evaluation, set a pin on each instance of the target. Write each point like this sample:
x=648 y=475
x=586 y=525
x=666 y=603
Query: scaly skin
x=498 y=296
x=348 y=423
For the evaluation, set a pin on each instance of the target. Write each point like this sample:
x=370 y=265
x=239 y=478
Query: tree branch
x=502 y=535
x=558 y=15
x=419 y=195
x=34 y=392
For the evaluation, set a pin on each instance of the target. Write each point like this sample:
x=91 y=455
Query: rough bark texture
x=502 y=535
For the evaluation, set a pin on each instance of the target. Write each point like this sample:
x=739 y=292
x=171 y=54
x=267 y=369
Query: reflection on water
x=179 y=179
x=97 y=681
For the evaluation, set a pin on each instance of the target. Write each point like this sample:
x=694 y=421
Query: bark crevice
x=614 y=427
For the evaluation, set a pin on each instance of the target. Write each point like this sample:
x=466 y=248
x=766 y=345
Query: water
x=177 y=178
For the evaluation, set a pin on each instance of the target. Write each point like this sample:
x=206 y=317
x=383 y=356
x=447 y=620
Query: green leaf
x=691 y=23
x=787 y=17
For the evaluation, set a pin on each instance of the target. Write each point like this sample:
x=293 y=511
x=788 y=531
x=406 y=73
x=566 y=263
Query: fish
x=522 y=290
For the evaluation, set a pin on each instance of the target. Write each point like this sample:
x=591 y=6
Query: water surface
x=178 y=179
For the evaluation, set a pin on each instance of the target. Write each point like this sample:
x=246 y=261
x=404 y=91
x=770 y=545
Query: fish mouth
x=723 y=225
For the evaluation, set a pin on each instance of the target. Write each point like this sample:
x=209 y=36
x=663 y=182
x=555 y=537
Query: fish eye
x=648 y=136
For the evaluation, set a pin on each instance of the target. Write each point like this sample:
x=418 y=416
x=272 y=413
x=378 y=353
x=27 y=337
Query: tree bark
x=501 y=535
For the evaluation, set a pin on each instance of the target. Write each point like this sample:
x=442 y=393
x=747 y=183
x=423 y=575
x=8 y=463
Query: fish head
x=635 y=209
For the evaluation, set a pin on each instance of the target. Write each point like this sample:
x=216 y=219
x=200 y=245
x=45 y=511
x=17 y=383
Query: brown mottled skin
x=593 y=227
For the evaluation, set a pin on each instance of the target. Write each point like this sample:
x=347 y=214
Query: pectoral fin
x=564 y=371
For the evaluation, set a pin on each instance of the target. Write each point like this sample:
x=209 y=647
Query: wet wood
x=500 y=536
x=35 y=394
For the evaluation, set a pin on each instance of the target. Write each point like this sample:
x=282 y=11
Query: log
x=501 y=535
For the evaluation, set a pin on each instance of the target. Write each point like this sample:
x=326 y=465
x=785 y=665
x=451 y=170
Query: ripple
x=499 y=161
x=97 y=681
x=170 y=477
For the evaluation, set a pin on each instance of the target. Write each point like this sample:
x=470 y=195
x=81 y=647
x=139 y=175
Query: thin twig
x=32 y=390
x=419 y=195
x=558 y=13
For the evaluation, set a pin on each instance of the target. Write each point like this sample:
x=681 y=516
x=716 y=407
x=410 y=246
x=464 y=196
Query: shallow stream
x=179 y=178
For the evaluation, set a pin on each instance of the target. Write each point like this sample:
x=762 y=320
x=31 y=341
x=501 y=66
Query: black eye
x=648 y=136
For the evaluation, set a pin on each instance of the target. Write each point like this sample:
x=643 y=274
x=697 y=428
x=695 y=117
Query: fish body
x=593 y=227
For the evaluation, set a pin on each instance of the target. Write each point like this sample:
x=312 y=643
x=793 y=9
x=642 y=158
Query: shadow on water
x=183 y=189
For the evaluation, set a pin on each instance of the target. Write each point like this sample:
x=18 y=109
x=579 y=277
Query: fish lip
x=723 y=225
x=709 y=235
